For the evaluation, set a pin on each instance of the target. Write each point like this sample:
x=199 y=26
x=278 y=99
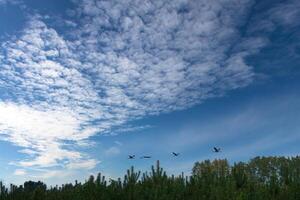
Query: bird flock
x=175 y=154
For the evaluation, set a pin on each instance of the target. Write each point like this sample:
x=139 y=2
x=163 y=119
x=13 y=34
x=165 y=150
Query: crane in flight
x=145 y=157
x=216 y=149
x=175 y=154
x=131 y=156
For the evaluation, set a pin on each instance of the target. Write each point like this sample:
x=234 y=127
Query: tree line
x=261 y=178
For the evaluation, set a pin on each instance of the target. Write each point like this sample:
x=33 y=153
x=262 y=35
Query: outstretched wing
x=131 y=156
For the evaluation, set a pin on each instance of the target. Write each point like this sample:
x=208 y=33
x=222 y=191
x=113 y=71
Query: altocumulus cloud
x=123 y=60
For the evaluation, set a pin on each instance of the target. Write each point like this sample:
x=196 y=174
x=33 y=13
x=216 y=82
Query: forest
x=260 y=178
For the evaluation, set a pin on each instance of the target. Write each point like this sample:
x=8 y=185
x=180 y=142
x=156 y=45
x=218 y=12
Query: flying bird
x=216 y=149
x=175 y=154
x=146 y=157
x=131 y=156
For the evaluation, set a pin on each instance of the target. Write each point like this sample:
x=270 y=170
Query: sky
x=85 y=83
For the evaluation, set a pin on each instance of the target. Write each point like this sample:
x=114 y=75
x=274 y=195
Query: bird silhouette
x=216 y=149
x=146 y=157
x=175 y=154
x=131 y=156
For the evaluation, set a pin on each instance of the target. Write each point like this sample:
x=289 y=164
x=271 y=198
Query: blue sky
x=85 y=83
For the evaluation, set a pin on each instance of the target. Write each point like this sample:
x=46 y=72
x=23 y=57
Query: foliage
x=261 y=178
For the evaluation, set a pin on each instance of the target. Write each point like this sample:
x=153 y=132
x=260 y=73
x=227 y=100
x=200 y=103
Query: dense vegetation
x=261 y=178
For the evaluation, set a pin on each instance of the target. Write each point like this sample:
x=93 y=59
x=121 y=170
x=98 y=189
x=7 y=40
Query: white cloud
x=47 y=174
x=285 y=13
x=125 y=60
x=28 y=151
x=42 y=131
x=112 y=151
x=118 y=143
x=20 y=172
x=86 y=164
x=4 y=2
x=282 y=14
